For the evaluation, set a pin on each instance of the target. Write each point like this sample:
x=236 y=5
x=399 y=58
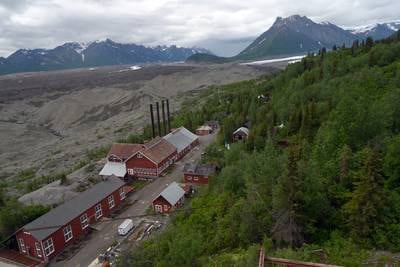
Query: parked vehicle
x=125 y=227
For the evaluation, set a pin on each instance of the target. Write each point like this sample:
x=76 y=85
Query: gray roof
x=180 y=138
x=242 y=129
x=173 y=193
x=70 y=210
x=200 y=169
x=114 y=168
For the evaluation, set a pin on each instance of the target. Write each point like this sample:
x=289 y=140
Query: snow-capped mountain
x=377 y=31
x=296 y=35
x=97 y=53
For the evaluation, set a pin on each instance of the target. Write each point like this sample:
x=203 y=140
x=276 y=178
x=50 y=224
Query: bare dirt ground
x=49 y=120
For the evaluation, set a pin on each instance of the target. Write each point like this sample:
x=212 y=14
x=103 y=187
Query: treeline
x=319 y=176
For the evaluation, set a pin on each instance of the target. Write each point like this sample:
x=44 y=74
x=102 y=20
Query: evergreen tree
x=288 y=202
x=364 y=209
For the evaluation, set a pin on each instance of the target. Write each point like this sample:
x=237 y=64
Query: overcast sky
x=224 y=26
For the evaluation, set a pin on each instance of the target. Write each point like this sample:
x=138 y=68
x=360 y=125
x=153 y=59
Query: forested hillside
x=323 y=186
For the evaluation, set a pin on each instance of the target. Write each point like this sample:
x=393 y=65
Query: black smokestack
x=158 y=119
x=169 y=121
x=152 y=121
x=163 y=117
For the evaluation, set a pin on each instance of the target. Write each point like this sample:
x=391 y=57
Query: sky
x=223 y=26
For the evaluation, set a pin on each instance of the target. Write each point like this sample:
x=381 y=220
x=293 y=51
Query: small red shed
x=204 y=130
x=169 y=199
x=45 y=237
x=240 y=134
x=198 y=173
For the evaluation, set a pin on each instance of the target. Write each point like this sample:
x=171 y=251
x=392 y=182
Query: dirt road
x=100 y=241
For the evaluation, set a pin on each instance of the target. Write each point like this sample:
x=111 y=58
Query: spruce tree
x=364 y=209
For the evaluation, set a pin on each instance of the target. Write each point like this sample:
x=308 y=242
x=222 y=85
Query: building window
x=98 y=210
x=111 y=202
x=121 y=193
x=67 y=233
x=166 y=207
x=195 y=178
x=158 y=208
x=48 y=246
x=84 y=221
x=38 y=250
x=139 y=156
x=189 y=178
x=22 y=245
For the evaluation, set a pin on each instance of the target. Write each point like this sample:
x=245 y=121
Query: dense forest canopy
x=317 y=179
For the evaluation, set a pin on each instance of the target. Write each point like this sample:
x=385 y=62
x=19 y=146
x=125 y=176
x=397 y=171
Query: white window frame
x=48 y=246
x=166 y=207
x=111 y=203
x=195 y=178
x=84 y=221
x=158 y=208
x=22 y=245
x=122 y=193
x=98 y=211
x=38 y=249
x=67 y=233
x=189 y=178
x=139 y=156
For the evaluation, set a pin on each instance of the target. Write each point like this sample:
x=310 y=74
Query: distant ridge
x=298 y=35
x=93 y=54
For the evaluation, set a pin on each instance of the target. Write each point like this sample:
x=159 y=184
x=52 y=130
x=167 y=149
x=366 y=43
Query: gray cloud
x=225 y=26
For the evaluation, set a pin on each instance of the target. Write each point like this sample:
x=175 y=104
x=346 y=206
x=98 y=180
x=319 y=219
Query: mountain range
x=97 y=53
x=298 y=35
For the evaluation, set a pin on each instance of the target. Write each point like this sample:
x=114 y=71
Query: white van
x=125 y=227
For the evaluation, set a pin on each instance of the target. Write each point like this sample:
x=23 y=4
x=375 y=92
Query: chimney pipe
x=152 y=121
x=169 y=121
x=158 y=119
x=163 y=117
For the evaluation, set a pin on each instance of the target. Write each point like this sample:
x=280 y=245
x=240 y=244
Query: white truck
x=125 y=227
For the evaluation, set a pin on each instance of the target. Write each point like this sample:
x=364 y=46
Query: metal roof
x=181 y=138
x=199 y=169
x=123 y=151
x=204 y=128
x=158 y=149
x=114 y=168
x=242 y=129
x=70 y=210
x=173 y=193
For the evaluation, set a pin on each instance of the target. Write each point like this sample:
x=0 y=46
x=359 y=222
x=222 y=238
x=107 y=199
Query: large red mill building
x=45 y=237
x=152 y=159
x=149 y=160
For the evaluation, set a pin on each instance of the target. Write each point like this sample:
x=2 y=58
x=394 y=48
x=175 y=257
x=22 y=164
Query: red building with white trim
x=169 y=199
x=198 y=173
x=153 y=158
x=47 y=236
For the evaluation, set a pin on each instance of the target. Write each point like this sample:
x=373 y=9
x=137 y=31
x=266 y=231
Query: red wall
x=135 y=162
x=166 y=206
x=191 y=178
x=29 y=241
x=77 y=231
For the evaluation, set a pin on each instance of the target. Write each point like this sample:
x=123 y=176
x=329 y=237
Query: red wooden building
x=116 y=158
x=169 y=199
x=204 y=130
x=49 y=234
x=240 y=134
x=152 y=159
x=198 y=173
x=183 y=140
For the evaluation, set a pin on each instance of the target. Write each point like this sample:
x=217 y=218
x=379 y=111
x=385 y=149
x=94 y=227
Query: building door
x=158 y=208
